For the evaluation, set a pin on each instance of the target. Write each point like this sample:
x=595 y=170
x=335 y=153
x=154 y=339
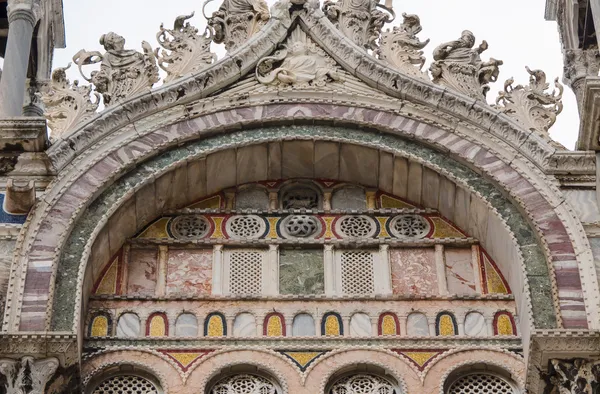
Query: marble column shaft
x=16 y=61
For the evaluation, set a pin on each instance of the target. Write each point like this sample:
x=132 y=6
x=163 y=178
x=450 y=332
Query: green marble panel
x=301 y=271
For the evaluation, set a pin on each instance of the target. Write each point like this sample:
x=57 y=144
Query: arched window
x=475 y=325
x=483 y=382
x=124 y=379
x=360 y=325
x=445 y=324
x=157 y=325
x=100 y=325
x=331 y=324
x=244 y=325
x=245 y=384
x=504 y=324
x=363 y=383
x=417 y=325
x=215 y=325
x=274 y=325
x=186 y=325
x=303 y=325
x=388 y=324
x=128 y=325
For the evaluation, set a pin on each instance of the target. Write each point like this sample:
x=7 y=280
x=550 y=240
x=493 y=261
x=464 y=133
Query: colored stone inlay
x=504 y=325
x=218 y=221
x=274 y=326
x=443 y=229
x=213 y=202
x=301 y=271
x=332 y=326
x=446 y=326
x=185 y=358
x=302 y=359
x=157 y=326
x=494 y=282
x=108 y=282
x=387 y=201
x=215 y=326
x=273 y=227
x=383 y=233
x=388 y=326
x=158 y=229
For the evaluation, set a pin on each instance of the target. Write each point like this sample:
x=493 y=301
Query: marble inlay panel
x=413 y=271
x=142 y=272
x=303 y=325
x=128 y=326
x=301 y=271
x=349 y=198
x=417 y=325
x=186 y=325
x=360 y=325
x=252 y=199
x=189 y=272
x=475 y=325
x=459 y=271
x=244 y=325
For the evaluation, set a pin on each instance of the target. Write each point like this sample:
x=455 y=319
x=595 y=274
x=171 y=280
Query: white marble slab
x=360 y=325
x=417 y=325
x=475 y=325
x=186 y=325
x=303 y=325
x=128 y=326
x=244 y=325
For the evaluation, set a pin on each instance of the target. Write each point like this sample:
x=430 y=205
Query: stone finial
x=236 y=21
x=530 y=105
x=459 y=66
x=299 y=62
x=66 y=104
x=579 y=64
x=185 y=51
x=27 y=375
x=123 y=72
x=401 y=47
x=359 y=20
x=574 y=377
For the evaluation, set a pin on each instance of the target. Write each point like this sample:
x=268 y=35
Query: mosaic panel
x=301 y=271
x=445 y=325
x=100 y=326
x=504 y=324
x=493 y=281
x=419 y=357
x=185 y=358
x=274 y=325
x=304 y=358
x=215 y=325
x=331 y=325
x=189 y=272
x=157 y=325
x=414 y=271
x=388 y=324
x=109 y=282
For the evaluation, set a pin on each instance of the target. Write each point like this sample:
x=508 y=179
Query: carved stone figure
x=401 y=47
x=459 y=66
x=123 y=72
x=27 y=375
x=299 y=62
x=574 y=377
x=185 y=51
x=67 y=104
x=530 y=105
x=359 y=20
x=236 y=21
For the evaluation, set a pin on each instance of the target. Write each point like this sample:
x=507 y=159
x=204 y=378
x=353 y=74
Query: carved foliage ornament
x=574 y=377
x=185 y=51
x=459 y=66
x=236 y=21
x=123 y=72
x=27 y=375
x=530 y=105
x=298 y=62
x=401 y=47
x=67 y=104
x=359 y=20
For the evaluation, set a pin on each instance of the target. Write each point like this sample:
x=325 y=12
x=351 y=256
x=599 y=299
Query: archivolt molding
x=136 y=149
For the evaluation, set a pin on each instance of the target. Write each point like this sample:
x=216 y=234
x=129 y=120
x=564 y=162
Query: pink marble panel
x=142 y=272
x=413 y=271
x=459 y=271
x=189 y=272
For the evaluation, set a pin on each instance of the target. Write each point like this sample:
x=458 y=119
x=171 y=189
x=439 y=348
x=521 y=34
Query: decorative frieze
x=27 y=375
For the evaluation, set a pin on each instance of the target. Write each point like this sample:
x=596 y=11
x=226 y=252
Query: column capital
x=28 y=10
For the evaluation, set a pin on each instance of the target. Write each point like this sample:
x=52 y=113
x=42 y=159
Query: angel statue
x=123 y=72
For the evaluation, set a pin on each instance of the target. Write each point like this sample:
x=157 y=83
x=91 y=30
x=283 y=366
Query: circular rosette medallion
x=356 y=226
x=189 y=227
x=245 y=227
x=409 y=226
x=300 y=226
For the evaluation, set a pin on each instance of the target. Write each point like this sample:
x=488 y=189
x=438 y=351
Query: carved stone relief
x=236 y=21
x=185 y=51
x=459 y=66
x=359 y=20
x=530 y=105
x=401 y=47
x=27 y=376
x=67 y=104
x=580 y=64
x=123 y=72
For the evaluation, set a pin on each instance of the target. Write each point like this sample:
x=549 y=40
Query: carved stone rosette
x=530 y=105
x=123 y=72
x=401 y=48
x=578 y=376
x=359 y=20
x=236 y=21
x=459 y=66
x=185 y=51
x=67 y=104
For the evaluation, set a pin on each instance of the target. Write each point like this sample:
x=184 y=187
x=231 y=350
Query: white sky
x=515 y=30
